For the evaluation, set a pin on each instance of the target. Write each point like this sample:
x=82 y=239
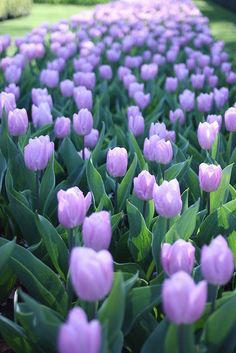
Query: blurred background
x=17 y=17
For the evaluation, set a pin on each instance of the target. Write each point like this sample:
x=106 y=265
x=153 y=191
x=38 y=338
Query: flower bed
x=14 y=8
x=117 y=180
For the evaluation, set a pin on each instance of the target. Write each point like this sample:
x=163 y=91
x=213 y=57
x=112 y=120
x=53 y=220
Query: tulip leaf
x=158 y=335
x=140 y=237
x=70 y=156
x=220 y=196
x=125 y=185
x=113 y=309
x=172 y=339
x=47 y=185
x=184 y=227
x=134 y=145
x=55 y=246
x=177 y=170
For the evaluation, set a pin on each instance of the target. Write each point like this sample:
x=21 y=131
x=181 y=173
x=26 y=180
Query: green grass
x=222 y=24
x=40 y=13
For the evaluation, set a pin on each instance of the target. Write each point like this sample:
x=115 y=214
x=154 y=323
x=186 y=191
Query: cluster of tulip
x=117 y=147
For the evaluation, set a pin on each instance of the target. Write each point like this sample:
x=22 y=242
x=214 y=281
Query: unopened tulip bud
x=17 y=122
x=117 y=162
x=143 y=185
x=83 y=122
x=167 y=199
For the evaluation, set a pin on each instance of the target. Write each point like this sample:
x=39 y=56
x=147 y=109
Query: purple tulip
x=207 y=134
x=41 y=96
x=91 y=273
x=171 y=84
x=179 y=256
x=117 y=162
x=158 y=129
x=133 y=110
x=143 y=185
x=41 y=115
x=12 y=74
x=149 y=71
x=167 y=198
x=85 y=153
x=50 y=78
x=91 y=139
x=7 y=103
x=135 y=87
x=62 y=127
x=136 y=124
x=217 y=262
x=230 y=119
x=177 y=115
x=17 y=122
x=97 y=231
x=221 y=97
x=67 y=88
x=72 y=207
x=197 y=81
x=123 y=71
x=38 y=153
x=83 y=122
x=186 y=100
x=142 y=100
x=78 y=335
x=158 y=150
x=183 y=300
x=12 y=88
x=217 y=118
x=83 y=98
x=105 y=72
x=86 y=79
x=209 y=177
x=204 y=102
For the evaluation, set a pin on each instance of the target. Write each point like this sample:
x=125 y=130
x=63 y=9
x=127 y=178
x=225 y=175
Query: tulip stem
x=144 y=208
x=214 y=297
x=70 y=238
x=83 y=154
x=116 y=195
x=37 y=178
x=181 y=339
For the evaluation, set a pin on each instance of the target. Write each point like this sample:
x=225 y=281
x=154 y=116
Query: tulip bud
x=91 y=139
x=217 y=262
x=230 y=119
x=7 y=102
x=171 y=84
x=167 y=198
x=183 y=300
x=217 y=118
x=83 y=98
x=142 y=100
x=209 y=177
x=85 y=153
x=62 y=127
x=186 y=100
x=149 y=71
x=204 y=102
x=72 y=207
x=136 y=124
x=38 y=153
x=143 y=185
x=117 y=162
x=177 y=115
x=133 y=110
x=207 y=134
x=179 y=256
x=41 y=115
x=50 y=78
x=78 y=335
x=67 y=88
x=83 y=122
x=17 y=122
x=158 y=129
x=12 y=74
x=105 y=72
x=91 y=273
x=158 y=150
x=15 y=90
x=97 y=231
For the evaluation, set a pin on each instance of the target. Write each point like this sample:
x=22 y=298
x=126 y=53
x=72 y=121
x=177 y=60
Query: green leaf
x=140 y=237
x=5 y=253
x=3 y=167
x=134 y=145
x=55 y=246
x=215 y=335
x=125 y=186
x=41 y=282
x=96 y=185
x=158 y=335
x=184 y=227
x=47 y=185
x=158 y=235
x=177 y=170
x=139 y=301
x=113 y=308
x=172 y=339
x=97 y=150
x=70 y=156
x=220 y=196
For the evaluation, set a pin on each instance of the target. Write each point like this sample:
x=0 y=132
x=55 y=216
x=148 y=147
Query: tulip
x=197 y=81
x=62 y=127
x=230 y=119
x=158 y=129
x=143 y=185
x=167 y=198
x=179 y=256
x=85 y=153
x=177 y=115
x=83 y=122
x=186 y=100
x=91 y=273
x=86 y=79
x=50 y=78
x=15 y=90
x=12 y=74
x=171 y=84
x=7 y=103
x=38 y=153
x=204 y=102
x=67 y=88
x=72 y=207
x=105 y=72
x=41 y=115
x=91 y=139
x=158 y=150
x=17 y=122
x=183 y=300
x=117 y=162
x=136 y=124
x=133 y=110
x=217 y=118
x=149 y=71
x=78 y=335
x=135 y=87
x=217 y=262
x=97 y=231
x=142 y=100
x=207 y=134
x=41 y=96
x=209 y=177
